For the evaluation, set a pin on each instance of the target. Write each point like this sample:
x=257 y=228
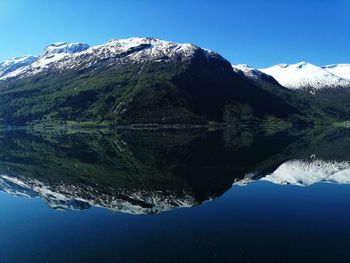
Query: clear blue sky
x=255 y=32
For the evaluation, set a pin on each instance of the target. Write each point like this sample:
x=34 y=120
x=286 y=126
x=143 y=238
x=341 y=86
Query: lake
x=192 y=195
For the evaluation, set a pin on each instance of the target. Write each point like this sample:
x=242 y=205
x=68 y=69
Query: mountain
x=305 y=76
x=255 y=75
x=340 y=70
x=14 y=64
x=305 y=172
x=134 y=81
x=319 y=94
x=315 y=106
x=30 y=65
x=75 y=197
x=263 y=80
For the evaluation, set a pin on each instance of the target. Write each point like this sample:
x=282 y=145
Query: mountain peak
x=17 y=60
x=304 y=75
x=155 y=44
x=282 y=65
x=64 y=47
x=307 y=172
x=341 y=70
x=302 y=64
x=258 y=77
x=135 y=40
x=63 y=55
x=243 y=66
x=247 y=70
x=15 y=63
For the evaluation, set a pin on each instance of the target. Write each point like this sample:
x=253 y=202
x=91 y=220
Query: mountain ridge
x=301 y=76
x=134 y=81
x=307 y=76
x=66 y=52
x=61 y=55
x=152 y=81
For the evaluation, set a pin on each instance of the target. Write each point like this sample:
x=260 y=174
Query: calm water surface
x=239 y=195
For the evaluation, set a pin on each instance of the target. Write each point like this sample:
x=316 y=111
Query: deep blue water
x=261 y=222
x=257 y=222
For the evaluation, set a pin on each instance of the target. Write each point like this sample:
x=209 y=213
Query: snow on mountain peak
x=64 y=47
x=248 y=71
x=282 y=65
x=255 y=75
x=141 y=48
x=15 y=63
x=303 y=173
x=304 y=75
x=30 y=64
x=244 y=67
x=63 y=55
x=75 y=196
x=55 y=53
x=341 y=70
x=303 y=64
x=137 y=41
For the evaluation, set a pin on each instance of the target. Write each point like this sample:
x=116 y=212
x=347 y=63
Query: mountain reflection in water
x=151 y=171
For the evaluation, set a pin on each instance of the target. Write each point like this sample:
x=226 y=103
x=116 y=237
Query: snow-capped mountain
x=249 y=72
x=255 y=75
x=307 y=76
x=51 y=55
x=62 y=56
x=103 y=80
x=299 y=76
x=303 y=173
x=64 y=48
x=184 y=82
x=341 y=70
x=13 y=64
x=78 y=197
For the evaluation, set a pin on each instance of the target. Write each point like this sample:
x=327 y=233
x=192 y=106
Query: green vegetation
x=237 y=113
